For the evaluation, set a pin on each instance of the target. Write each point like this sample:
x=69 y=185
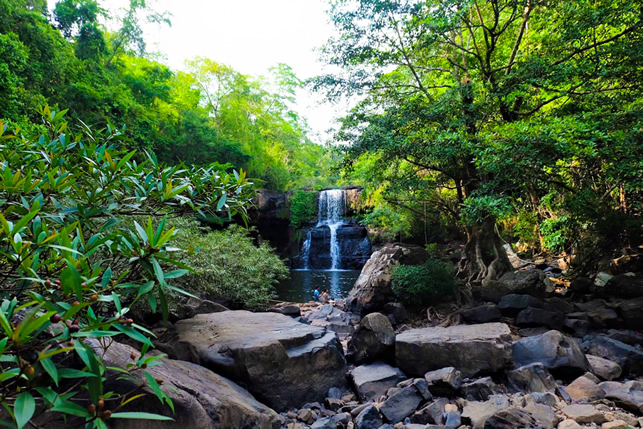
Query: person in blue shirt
x=316 y=294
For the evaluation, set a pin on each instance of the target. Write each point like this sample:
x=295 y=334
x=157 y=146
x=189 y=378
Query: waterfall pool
x=301 y=284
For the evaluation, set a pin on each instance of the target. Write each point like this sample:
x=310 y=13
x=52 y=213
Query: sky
x=250 y=36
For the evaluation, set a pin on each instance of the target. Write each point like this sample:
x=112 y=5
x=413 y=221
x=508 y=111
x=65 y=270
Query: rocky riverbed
x=523 y=356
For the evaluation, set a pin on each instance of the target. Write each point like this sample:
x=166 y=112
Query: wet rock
x=472 y=349
x=444 y=382
x=629 y=396
x=397 y=311
x=482 y=314
x=539 y=317
x=599 y=314
x=528 y=282
x=373 y=380
x=401 y=405
x=627 y=285
x=282 y=362
x=583 y=413
x=604 y=368
x=584 y=388
x=330 y=317
x=373 y=339
x=534 y=377
x=559 y=304
x=372 y=289
x=369 y=418
x=628 y=357
x=577 y=327
x=630 y=312
x=480 y=390
x=202 y=399
x=477 y=413
x=581 y=285
x=511 y=305
x=557 y=352
x=510 y=419
x=630 y=337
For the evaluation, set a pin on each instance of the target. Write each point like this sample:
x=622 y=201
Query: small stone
x=569 y=424
x=333 y=404
x=604 y=368
x=422 y=386
x=583 y=387
x=444 y=382
x=583 y=413
x=369 y=418
x=615 y=424
x=400 y=405
x=304 y=415
x=334 y=393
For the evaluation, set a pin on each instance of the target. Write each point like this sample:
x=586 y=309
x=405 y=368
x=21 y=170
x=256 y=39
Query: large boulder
x=604 y=368
x=284 y=363
x=471 y=349
x=482 y=314
x=373 y=380
x=201 y=398
x=372 y=289
x=373 y=339
x=540 y=317
x=557 y=352
x=531 y=378
x=529 y=282
x=627 y=285
x=629 y=396
x=630 y=358
x=630 y=312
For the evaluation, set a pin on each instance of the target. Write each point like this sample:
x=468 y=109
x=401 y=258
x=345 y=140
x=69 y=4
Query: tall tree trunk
x=484 y=258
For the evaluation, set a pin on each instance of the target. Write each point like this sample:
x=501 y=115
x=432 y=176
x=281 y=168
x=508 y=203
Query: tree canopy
x=495 y=110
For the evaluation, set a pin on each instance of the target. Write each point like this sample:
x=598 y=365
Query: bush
x=421 y=284
x=302 y=207
x=71 y=271
x=229 y=264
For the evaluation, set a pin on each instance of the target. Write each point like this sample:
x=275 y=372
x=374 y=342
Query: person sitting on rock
x=316 y=294
x=325 y=297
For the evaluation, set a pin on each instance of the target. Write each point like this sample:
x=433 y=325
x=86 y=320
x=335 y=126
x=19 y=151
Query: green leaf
x=24 y=408
x=71 y=281
x=140 y=416
x=107 y=277
x=51 y=369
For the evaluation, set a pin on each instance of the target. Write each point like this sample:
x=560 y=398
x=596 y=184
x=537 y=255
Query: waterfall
x=331 y=208
x=305 y=250
x=332 y=205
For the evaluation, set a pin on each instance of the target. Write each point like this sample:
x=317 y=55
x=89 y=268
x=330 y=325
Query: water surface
x=301 y=284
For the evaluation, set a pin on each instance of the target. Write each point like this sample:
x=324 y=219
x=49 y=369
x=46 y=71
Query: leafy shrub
x=477 y=208
x=302 y=207
x=420 y=284
x=556 y=233
x=71 y=271
x=229 y=264
x=389 y=224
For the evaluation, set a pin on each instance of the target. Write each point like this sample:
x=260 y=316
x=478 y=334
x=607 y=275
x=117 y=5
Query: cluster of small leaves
x=302 y=207
x=476 y=209
x=70 y=271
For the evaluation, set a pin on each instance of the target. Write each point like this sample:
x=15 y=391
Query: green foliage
x=229 y=264
x=302 y=207
x=556 y=233
x=390 y=224
x=472 y=105
x=475 y=209
x=211 y=114
x=71 y=272
x=422 y=284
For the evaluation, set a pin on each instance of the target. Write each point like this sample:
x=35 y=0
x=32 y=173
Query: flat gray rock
x=373 y=380
x=471 y=349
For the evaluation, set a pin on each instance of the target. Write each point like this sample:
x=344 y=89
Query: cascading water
x=331 y=208
x=332 y=204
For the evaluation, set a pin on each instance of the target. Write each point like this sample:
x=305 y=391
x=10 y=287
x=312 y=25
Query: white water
x=332 y=205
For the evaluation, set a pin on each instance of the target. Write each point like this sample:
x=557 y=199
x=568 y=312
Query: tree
x=475 y=96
